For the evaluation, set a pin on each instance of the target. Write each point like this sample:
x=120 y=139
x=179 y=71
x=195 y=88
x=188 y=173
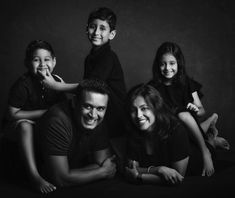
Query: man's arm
x=62 y=175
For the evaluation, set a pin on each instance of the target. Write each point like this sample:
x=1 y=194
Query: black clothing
x=103 y=63
x=60 y=134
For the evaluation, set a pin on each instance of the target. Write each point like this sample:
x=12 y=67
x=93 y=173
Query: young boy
x=28 y=101
x=102 y=63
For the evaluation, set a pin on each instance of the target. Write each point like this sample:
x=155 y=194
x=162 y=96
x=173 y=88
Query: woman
x=158 y=145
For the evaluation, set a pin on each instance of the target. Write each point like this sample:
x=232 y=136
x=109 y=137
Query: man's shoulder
x=60 y=111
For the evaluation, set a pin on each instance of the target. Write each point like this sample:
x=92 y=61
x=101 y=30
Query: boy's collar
x=95 y=50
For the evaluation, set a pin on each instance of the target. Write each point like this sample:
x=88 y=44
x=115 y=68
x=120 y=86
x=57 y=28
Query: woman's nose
x=139 y=113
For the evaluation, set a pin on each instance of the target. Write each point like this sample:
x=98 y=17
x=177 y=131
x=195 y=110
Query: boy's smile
x=99 y=32
x=42 y=61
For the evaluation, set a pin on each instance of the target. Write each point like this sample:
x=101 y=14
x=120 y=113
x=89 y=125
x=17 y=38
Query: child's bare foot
x=43 y=186
x=221 y=143
x=214 y=119
x=208 y=167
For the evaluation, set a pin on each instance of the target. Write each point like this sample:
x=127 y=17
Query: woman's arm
x=153 y=174
x=181 y=166
x=17 y=113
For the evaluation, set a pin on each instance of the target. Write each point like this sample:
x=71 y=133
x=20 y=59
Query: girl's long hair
x=173 y=49
x=165 y=121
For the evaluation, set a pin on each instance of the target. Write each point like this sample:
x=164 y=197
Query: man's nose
x=93 y=113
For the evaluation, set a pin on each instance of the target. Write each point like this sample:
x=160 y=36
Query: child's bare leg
x=25 y=130
x=187 y=118
x=210 y=123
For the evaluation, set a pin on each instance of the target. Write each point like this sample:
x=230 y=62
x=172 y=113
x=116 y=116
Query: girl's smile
x=168 y=66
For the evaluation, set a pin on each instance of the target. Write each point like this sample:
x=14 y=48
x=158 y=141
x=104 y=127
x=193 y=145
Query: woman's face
x=142 y=115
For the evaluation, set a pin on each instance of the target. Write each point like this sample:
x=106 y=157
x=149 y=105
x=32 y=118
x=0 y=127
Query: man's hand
x=109 y=167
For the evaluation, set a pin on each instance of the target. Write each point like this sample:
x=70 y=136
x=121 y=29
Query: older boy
x=102 y=63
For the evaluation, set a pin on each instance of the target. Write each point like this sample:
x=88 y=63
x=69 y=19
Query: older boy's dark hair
x=105 y=14
x=174 y=49
x=35 y=45
x=93 y=85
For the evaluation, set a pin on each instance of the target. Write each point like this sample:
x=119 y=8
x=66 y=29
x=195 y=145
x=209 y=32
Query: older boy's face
x=99 y=32
x=42 y=61
x=93 y=107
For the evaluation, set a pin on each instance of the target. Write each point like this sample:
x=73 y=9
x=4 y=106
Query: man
x=73 y=138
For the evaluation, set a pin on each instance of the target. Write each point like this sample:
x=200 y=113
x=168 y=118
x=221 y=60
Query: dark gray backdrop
x=204 y=29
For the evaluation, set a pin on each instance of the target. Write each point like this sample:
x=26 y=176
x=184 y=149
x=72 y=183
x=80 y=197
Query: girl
x=158 y=149
x=28 y=101
x=182 y=96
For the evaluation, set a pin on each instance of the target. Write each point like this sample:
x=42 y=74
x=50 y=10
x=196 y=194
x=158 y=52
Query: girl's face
x=168 y=66
x=99 y=32
x=42 y=61
x=142 y=115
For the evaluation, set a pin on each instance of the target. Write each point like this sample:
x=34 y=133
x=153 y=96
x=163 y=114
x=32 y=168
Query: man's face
x=93 y=108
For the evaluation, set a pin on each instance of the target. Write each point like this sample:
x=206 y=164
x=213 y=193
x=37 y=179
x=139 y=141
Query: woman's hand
x=131 y=170
x=170 y=175
x=133 y=163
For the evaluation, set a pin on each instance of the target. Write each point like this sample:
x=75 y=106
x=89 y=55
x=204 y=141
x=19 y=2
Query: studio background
x=204 y=29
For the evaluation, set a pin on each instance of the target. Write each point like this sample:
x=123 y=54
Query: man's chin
x=89 y=126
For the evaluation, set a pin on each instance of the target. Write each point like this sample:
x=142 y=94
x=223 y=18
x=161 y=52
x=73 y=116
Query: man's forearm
x=81 y=176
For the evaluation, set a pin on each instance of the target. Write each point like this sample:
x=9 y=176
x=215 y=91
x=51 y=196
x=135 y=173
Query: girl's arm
x=196 y=101
x=17 y=113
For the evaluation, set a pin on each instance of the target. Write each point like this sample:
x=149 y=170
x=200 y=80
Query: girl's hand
x=192 y=107
x=170 y=175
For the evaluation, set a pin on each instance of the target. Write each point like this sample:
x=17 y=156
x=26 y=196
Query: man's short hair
x=92 y=85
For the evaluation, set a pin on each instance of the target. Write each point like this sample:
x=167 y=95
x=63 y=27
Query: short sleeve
x=18 y=94
x=178 y=144
x=195 y=86
x=56 y=137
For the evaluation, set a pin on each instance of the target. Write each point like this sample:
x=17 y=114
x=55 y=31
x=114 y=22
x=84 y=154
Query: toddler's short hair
x=105 y=14
x=33 y=46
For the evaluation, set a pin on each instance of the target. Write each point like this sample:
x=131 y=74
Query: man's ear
x=112 y=34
